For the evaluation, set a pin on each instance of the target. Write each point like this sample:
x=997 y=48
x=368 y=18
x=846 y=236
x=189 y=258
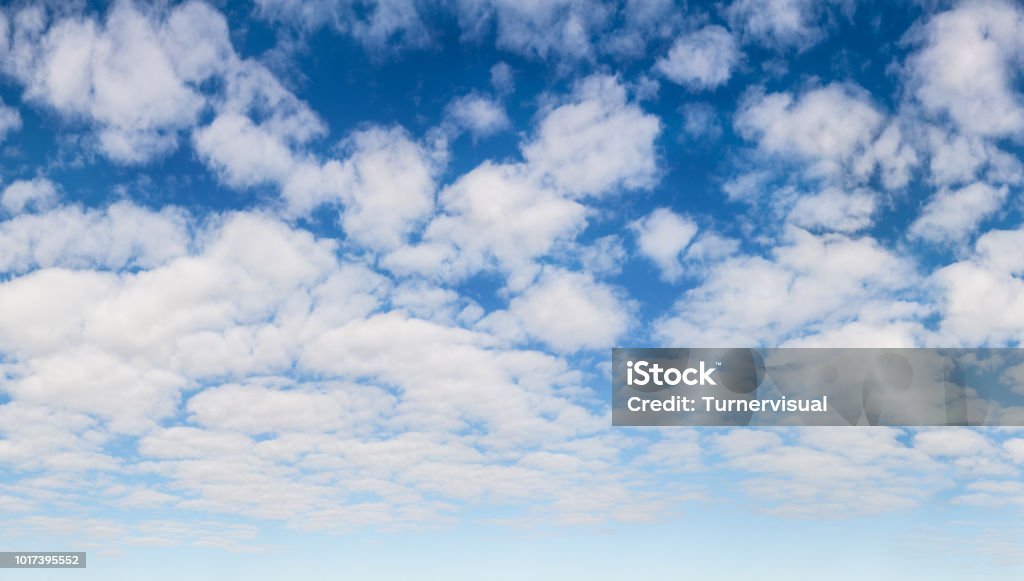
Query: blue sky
x=328 y=288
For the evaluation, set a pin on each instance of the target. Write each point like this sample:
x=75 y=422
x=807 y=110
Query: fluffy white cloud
x=480 y=115
x=262 y=409
x=189 y=442
x=38 y=194
x=970 y=452
x=386 y=186
x=245 y=152
x=603 y=256
x=778 y=23
x=379 y=26
x=131 y=333
x=141 y=77
x=10 y=120
x=251 y=89
x=494 y=215
x=508 y=215
x=953 y=442
x=596 y=143
x=981 y=296
x=703 y=59
x=242 y=153
x=121 y=236
x=560 y=28
x=967 y=67
x=662 y=236
x=807 y=285
x=127 y=74
x=1015 y=448
x=831 y=471
x=892 y=155
x=953 y=215
x=833 y=209
x=239 y=318
x=829 y=125
x=570 y=311
x=958 y=159
x=709 y=247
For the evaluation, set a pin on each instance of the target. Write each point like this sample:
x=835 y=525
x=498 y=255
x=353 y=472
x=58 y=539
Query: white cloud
x=677 y=450
x=807 y=285
x=126 y=332
x=556 y=29
x=189 y=442
x=829 y=125
x=700 y=120
x=503 y=78
x=126 y=74
x=390 y=189
x=385 y=185
x=83 y=378
x=110 y=533
x=480 y=115
x=961 y=159
x=258 y=409
x=953 y=215
x=603 y=256
x=1015 y=448
x=121 y=236
x=139 y=77
x=662 y=236
x=778 y=23
x=495 y=215
x=242 y=153
x=1000 y=250
x=58 y=441
x=38 y=193
x=449 y=377
x=251 y=306
x=507 y=215
x=833 y=209
x=598 y=142
x=830 y=471
x=570 y=311
x=748 y=187
x=251 y=89
x=10 y=120
x=709 y=247
x=703 y=59
x=378 y=26
x=955 y=442
x=195 y=38
x=894 y=157
x=967 y=67
x=980 y=296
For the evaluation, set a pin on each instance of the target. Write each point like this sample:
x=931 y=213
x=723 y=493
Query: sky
x=327 y=289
